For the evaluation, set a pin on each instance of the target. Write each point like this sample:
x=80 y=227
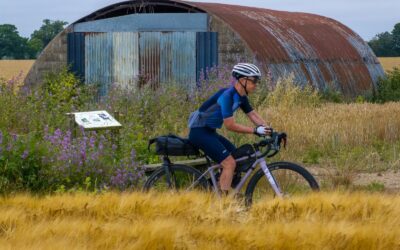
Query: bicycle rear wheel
x=291 y=178
x=182 y=177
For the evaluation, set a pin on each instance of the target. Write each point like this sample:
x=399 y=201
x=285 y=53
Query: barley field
x=389 y=63
x=199 y=221
x=13 y=68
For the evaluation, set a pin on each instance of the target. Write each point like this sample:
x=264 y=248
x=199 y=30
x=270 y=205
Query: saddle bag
x=172 y=145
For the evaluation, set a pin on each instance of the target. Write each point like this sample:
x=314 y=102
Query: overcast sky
x=365 y=17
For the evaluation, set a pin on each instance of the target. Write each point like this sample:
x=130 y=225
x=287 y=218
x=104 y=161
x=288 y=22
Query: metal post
x=116 y=132
x=72 y=124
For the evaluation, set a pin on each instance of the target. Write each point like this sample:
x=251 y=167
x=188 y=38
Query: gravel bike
x=262 y=179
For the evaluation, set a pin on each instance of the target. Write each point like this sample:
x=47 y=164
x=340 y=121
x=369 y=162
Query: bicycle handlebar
x=273 y=143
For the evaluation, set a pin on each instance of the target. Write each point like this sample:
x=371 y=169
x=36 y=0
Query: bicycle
x=282 y=178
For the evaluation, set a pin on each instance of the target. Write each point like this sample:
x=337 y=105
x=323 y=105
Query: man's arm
x=231 y=125
x=255 y=118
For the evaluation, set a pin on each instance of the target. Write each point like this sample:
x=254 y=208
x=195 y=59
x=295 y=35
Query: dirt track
x=390 y=178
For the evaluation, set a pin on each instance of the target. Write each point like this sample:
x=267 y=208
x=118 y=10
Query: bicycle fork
x=271 y=178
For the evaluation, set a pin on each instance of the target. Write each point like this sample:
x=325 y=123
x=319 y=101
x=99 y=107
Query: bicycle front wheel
x=291 y=178
x=181 y=177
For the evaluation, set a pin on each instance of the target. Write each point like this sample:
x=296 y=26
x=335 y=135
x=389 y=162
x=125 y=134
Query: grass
x=199 y=221
x=12 y=68
x=389 y=63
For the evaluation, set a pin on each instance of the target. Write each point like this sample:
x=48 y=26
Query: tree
x=382 y=44
x=387 y=44
x=49 y=29
x=12 y=45
x=396 y=39
x=35 y=46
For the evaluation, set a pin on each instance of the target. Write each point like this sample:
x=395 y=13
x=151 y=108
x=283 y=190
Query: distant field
x=12 y=68
x=389 y=63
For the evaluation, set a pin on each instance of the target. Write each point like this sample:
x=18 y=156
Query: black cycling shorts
x=217 y=147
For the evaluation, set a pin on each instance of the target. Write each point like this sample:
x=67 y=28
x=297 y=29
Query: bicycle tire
x=308 y=182
x=157 y=180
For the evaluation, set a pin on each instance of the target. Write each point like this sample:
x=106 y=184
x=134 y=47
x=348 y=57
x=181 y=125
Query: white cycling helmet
x=245 y=70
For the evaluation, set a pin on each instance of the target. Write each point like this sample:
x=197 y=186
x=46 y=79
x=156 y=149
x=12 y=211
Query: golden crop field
x=199 y=221
x=389 y=63
x=12 y=68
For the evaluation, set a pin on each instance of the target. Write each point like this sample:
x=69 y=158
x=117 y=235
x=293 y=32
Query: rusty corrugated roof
x=323 y=47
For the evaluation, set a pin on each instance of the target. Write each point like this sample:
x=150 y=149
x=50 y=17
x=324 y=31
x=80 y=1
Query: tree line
x=387 y=44
x=13 y=46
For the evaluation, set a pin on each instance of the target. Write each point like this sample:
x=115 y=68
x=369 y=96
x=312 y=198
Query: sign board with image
x=96 y=120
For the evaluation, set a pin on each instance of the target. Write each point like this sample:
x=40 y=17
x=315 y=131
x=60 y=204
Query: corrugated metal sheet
x=99 y=60
x=149 y=57
x=304 y=44
x=76 y=53
x=168 y=57
x=147 y=22
x=206 y=52
x=125 y=57
x=111 y=58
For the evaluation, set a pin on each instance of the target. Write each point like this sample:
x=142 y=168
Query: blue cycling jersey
x=218 y=107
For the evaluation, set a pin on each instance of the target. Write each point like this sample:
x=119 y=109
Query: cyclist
x=217 y=111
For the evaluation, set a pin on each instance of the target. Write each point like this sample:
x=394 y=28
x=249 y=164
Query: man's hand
x=262 y=130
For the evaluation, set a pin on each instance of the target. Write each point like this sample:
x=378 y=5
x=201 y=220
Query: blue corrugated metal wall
x=164 y=57
x=98 y=60
x=76 y=54
x=206 y=52
x=125 y=58
x=183 y=55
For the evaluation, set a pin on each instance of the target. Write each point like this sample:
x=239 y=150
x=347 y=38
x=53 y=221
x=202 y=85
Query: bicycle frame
x=270 y=178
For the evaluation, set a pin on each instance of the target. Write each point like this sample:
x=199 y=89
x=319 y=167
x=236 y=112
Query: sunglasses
x=254 y=80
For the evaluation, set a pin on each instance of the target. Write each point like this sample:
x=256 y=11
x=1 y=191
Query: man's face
x=250 y=83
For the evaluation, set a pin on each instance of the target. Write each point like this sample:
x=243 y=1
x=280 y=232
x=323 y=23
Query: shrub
x=331 y=95
x=287 y=94
x=388 y=88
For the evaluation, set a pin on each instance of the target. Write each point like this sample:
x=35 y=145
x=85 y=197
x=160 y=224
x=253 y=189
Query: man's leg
x=228 y=164
x=214 y=146
x=228 y=168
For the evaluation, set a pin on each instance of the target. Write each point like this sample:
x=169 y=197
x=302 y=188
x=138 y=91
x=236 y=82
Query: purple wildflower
x=25 y=154
x=14 y=137
x=92 y=141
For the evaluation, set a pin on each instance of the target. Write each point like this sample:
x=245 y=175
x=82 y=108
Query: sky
x=365 y=17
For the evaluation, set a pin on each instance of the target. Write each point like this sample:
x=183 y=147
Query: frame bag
x=243 y=151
